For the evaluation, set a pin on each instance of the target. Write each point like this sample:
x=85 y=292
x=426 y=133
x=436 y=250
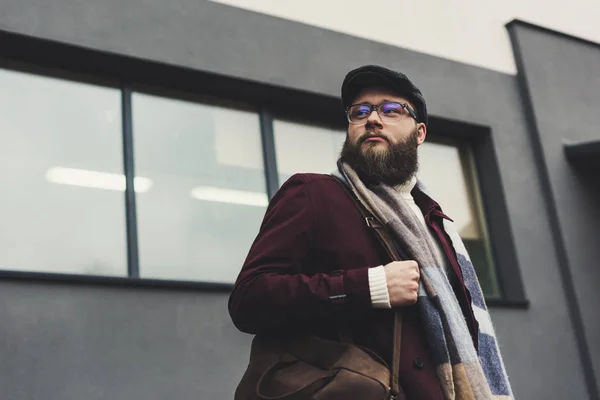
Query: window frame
x=466 y=147
x=493 y=207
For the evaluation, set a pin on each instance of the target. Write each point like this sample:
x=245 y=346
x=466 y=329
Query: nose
x=374 y=119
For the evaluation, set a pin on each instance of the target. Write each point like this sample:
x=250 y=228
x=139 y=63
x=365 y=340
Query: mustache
x=370 y=135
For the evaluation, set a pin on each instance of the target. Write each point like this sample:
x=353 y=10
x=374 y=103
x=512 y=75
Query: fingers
x=408 y=264
x=413 y=298
x=403 y=282
x=414 y=266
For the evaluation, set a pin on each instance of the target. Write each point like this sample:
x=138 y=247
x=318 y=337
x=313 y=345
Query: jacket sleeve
x=273 y=288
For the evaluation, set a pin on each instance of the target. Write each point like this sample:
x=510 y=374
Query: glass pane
x=448 y=173
x=209 y=193
x=61 y=173
x=305 y=148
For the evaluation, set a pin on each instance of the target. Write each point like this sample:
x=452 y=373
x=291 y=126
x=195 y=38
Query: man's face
x=381 y=150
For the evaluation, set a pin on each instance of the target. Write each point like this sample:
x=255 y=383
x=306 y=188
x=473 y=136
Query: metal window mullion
x=133 y=268
x=269 y=156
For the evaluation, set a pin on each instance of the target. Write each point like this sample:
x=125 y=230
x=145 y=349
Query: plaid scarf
x=463 y=374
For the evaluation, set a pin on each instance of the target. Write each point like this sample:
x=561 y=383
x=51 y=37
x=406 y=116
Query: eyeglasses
x=390 y=112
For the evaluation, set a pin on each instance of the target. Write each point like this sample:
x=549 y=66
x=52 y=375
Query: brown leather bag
x=311 y=368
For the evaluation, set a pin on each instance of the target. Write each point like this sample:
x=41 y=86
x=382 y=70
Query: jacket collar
x=428 y=206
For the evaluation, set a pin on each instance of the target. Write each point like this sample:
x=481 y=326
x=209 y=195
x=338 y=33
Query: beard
x=393 y=165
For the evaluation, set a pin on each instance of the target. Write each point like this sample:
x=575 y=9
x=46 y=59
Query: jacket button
x=419 y=363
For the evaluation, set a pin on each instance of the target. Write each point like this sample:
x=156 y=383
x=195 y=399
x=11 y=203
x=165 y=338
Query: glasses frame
x=377 y=108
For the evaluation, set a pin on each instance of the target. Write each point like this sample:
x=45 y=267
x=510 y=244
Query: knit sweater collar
x=407 y=187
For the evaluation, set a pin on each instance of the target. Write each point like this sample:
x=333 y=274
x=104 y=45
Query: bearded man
x=316 y=266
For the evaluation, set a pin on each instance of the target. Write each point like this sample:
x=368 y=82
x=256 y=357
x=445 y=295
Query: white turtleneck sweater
x=380 y=297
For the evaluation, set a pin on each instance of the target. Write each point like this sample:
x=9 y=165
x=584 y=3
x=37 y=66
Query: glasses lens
x=359 y=112
x=390 y=110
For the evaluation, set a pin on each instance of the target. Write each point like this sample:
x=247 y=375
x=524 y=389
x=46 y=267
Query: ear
x=421 y=132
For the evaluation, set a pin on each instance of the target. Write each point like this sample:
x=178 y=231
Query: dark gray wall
x=539 y=344
x=84 y=342
x=562 y=80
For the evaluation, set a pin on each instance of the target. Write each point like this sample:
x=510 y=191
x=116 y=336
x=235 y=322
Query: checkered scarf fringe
x=463 y=373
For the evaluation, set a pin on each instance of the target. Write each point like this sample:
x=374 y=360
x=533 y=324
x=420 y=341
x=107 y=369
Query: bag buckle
x=372 y=223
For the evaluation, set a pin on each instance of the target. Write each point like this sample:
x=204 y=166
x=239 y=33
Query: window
x=61 y=173
x=446 y=169
x=200 y=189
x=208 y=196
x=294 y=142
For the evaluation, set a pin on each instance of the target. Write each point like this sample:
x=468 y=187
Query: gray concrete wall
x=67 y=342
x=538 y=343
x=562 y=79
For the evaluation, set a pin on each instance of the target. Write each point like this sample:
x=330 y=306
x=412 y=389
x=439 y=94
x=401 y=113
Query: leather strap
x=395 y=384
x=386 y=241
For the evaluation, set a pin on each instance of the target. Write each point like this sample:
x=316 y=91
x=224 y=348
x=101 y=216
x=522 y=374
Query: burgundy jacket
x=314 y=244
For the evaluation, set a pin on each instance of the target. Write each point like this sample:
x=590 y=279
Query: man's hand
x=402 y=282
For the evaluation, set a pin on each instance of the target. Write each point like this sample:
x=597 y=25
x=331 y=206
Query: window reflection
x=305 y=148
x=61 y=171
x=208 y=196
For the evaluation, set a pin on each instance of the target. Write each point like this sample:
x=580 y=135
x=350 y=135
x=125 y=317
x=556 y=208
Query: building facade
x=141 y=141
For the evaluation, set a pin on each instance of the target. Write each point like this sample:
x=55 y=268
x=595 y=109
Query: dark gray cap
x=375 y=75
